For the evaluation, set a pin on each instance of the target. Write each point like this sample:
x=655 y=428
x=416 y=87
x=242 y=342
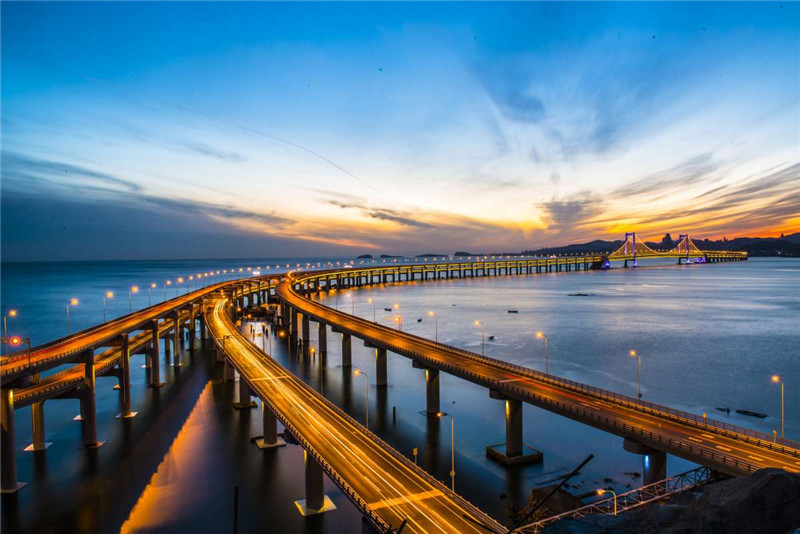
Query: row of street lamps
x=398 y=320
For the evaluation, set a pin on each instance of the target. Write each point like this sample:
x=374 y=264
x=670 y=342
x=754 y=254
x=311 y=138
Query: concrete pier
x=380 y=368
x=243 y=394
x=316 y=502
x=269 y=438
x=432 y=404
x=347 y=351
x=88 y=401
x=654 y=462
x=8 y=447
x=155 y=364
x=322 y=338
x=513 y=452
x=176 y=339
x=37 y=426
x=125 y=379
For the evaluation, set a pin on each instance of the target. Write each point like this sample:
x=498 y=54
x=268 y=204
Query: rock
x=560 y=502
x=766 y=501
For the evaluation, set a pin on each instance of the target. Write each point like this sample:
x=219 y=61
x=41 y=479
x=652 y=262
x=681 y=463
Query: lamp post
x=180 y=281
x=435 y=325
x=150 y=289
x=483 y=337
x=108 y=295
x=452 y=448
x=11 y=313
x=72 y=302
x=638 y=356
x=359 y=372
x=779 y=380
x=604 y=491
x=542 y=335
x=168 y=282
x=399 y=322
x=372 y=301
x=131 y=291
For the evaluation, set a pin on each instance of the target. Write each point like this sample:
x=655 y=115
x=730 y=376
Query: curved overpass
x=386 y=487
x=727 y=448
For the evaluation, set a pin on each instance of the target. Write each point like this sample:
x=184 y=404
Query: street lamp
x=452 y=448
x=168 y=282
x=483 y=337
x=359 y=372
x=372 y=301
x=180 y=281
x=150 y=289
x=779 y=380
x=604 y=491
x=435 y=325
x=11 y=313
x=542 y=335
x=72 y=302
x=638 y=356
x=108 y=295
x=399 y=322
x=133 y=289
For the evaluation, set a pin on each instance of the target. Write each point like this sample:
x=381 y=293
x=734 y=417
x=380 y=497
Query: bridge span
x=403 y=491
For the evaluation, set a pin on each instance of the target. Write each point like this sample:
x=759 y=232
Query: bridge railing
x=748 y=435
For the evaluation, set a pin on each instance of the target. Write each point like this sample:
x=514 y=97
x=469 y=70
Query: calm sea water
x=710 y=336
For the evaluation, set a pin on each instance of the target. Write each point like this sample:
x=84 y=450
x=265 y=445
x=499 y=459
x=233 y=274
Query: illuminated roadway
x=388 y=484
x=655 y=426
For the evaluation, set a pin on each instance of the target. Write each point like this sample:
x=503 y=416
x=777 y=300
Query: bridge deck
x=381 y=482
x=659 y=427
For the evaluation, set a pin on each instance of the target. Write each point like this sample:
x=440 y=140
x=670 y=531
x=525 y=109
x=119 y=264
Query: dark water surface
x=710 y=336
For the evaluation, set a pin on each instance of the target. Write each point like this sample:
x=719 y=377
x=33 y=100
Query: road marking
x=709 y=436
x=279 y=377
x=384 y=503
x=695 y=439
x=513 y=380
x=756 y=458
x=726 y=449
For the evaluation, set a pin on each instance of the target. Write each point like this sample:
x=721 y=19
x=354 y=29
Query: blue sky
x=142 y=130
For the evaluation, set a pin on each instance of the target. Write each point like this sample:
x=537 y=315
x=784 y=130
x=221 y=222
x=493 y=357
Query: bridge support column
x=176 y=341
x=316 y=502
x=37 y=425
x=125 y=379
x=515 y=453
x=269 y=438
x=243 y=394
x=8 y=448
x=89 y=402
x=654 y=462
x=432 y=406
x=380 y=368
x=347 y=351
x=322 y=336
x=155 y=365
x=192 y=332
x=306 y=335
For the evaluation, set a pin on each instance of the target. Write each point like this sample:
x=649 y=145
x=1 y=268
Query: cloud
x=215 y=153
x=571 y=212
x=694 y=170
x=509 y=90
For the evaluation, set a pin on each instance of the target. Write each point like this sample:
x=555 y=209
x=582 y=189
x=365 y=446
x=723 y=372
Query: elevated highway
x=386 y=487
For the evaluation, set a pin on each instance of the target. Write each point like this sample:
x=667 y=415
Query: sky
x=209 y=130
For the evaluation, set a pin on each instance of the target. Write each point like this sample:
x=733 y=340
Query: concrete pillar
x=432 y=392
x=654 y=466
x=316 y=502
x=176 y=340
x=513 y=428
x=8 y=448
x=380 y=368
x=654 y=462
x=125 y=379
x=347 y=351
x=89 y=402
x=306 y=335
x=295 y=323
x=269 y=438
x=167 y=351
x=37 y=425
x=155 y=365
x=322 y=336
x=192 y=332
x=243 y=394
